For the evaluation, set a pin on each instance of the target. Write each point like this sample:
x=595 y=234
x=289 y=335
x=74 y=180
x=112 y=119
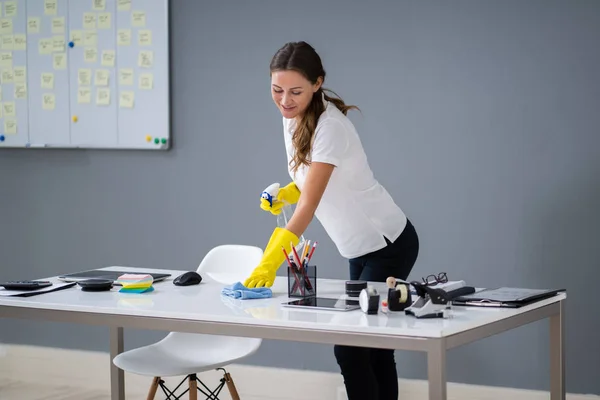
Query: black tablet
x=323 y=303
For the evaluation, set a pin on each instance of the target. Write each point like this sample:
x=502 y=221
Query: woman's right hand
x=289 y=194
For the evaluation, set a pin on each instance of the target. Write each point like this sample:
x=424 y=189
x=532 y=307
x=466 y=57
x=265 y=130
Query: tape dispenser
x=399 y=297
x=426 y=302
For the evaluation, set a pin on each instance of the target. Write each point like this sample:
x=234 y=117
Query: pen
x=286 y=256
x=311 y=252
x=480 y=303
x=307 y=280
x=295 y=253
x=291 y=266
x=299 y=266
x=305 y=252
x=305 y=267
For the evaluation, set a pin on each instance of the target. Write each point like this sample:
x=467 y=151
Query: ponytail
x=305 y=131
x=338 y=102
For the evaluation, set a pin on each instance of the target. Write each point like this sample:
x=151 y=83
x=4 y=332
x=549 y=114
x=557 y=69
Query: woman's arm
x=317 y=179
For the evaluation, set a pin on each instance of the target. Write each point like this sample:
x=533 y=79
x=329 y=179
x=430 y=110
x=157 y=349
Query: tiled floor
x=15 y=390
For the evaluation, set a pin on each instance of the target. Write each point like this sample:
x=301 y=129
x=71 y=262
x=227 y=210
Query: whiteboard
x=85 y=74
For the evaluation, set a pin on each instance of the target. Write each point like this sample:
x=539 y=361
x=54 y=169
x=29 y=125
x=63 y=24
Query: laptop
x=108 y=274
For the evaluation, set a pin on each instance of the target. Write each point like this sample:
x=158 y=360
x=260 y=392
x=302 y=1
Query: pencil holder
x=302 y=282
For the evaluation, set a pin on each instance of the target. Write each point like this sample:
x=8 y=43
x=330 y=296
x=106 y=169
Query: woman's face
x=292 y=92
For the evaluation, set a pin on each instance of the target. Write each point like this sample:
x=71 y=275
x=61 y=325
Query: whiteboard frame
x=156 y=147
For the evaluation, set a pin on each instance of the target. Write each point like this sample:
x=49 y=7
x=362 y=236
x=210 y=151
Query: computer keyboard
x=25 y=285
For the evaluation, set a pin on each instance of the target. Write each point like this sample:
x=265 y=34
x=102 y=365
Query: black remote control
x=25 y=285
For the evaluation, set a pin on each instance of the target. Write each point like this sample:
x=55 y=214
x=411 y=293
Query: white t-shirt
x=355 y=210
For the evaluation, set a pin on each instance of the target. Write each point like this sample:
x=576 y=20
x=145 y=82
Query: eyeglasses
x=432 y=280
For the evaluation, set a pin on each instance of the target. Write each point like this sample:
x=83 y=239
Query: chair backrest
x=226 y=264
x=230 y=263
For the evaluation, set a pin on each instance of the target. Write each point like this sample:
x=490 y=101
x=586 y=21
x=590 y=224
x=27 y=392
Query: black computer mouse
x=187 y=279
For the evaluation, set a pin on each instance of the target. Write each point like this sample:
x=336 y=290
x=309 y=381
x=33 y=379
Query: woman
x=332 y=180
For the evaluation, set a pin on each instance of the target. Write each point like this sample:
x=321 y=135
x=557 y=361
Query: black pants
x=370 y=374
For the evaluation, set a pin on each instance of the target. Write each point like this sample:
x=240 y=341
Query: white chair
x=188 y=354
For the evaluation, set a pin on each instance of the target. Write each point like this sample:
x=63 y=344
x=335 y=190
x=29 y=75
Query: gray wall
x=480 y=117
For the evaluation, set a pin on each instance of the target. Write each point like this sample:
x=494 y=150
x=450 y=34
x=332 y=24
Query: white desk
x=202 y=309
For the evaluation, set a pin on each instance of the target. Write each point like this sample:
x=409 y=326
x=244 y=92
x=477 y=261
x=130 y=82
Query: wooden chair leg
x=231 y=387
x=153 y=388
x=193 y=387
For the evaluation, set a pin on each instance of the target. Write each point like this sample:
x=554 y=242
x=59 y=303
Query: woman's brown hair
x=302 y=57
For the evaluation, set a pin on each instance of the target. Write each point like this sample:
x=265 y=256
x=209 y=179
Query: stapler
x=431 y=303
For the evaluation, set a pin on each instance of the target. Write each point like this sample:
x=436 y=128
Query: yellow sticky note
x=59 y=60
x=103 y=96
x=8 y=109
x=90 y=55
x=33 y=24
x=10 y=126
x=84 y=95
x=89 y=20
x=6 y=26
x=126 y=76
x=10 y=9
x=90 y=38
x=146 y=81
x=20 y=74
x=145 y=37
x=48 y=101
x=84 y=77
x=126 y=99
x=104 y=21
x=8 y=42
x=6 y=59
x=77 y=37
x=7 y=76
x=108 y=58
x=45 y=46
x=124 y=5
x=50 y=7
x=20 y=91
x=58 y=25
x=138 y=18
x=58 y=44
x=20 y=41
x=99 y=5
x=124 y=37
x=47 y=80
x=101 y=77
x=146 y=59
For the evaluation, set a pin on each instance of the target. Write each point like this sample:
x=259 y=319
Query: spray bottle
x=270 y=194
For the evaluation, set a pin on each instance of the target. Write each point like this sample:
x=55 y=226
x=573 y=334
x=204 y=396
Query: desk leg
x=117 y=376
x=557 y=354
x=436 y=369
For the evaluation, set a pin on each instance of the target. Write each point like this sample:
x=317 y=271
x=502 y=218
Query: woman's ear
x=318 y=84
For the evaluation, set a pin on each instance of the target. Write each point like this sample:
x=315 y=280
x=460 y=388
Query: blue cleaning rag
x=239 y=291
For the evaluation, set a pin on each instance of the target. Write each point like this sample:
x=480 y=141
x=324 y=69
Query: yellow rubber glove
x=288 y=194
x=273 y=256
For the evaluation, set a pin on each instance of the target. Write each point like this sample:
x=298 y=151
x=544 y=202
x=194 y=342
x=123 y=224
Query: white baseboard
x=52 y=366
